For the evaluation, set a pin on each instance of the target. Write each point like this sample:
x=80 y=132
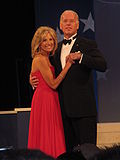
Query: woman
x=46 y=128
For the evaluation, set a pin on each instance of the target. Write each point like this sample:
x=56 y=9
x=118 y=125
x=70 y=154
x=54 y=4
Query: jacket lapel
x=77 y=46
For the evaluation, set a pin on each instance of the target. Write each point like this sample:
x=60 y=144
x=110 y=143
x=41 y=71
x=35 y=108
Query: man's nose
x=68 y=23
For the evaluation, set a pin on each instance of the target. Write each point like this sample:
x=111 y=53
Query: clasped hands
x=73 y=56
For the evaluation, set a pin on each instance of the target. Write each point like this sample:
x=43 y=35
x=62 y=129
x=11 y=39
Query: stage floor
x=14 y=129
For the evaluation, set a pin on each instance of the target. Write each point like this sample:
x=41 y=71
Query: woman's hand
x=69 y=59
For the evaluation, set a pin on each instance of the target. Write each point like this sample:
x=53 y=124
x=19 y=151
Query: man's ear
x=60 y=25
x=77 y=25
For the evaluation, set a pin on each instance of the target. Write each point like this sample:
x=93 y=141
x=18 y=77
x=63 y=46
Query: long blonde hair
x=38 y=38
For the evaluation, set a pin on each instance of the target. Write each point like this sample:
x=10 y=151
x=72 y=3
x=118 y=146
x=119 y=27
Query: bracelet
x=61 y=75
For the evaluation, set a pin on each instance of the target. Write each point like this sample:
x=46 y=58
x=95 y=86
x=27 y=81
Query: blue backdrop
x=107 y=33
x=48 y=13
x=99 y=20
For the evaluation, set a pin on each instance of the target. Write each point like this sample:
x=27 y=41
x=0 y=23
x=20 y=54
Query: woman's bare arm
x=46 y=72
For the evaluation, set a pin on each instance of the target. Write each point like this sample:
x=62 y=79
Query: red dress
x=45 y=127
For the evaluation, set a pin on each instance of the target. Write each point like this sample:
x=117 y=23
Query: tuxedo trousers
x=79 y=131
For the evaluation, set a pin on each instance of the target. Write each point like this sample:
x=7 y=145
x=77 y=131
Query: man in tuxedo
x=76 y=92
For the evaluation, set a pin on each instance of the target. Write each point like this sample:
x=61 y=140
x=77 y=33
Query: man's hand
x=33 y=81
x=75 y=56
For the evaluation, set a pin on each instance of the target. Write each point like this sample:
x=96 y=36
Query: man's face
x=69 y=24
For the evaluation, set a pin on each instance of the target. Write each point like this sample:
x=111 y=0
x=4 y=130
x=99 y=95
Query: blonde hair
x=76 y=15
x=38 y=38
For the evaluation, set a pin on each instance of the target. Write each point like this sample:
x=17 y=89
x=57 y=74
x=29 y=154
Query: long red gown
x=45 y=128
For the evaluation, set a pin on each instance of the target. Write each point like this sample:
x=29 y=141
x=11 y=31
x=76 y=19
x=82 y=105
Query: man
x=76 y=92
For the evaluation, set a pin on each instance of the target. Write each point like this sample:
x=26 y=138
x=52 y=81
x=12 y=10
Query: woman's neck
x=42 y=53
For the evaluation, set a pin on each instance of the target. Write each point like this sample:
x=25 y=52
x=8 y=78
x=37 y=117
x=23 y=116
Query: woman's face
x=47 y=44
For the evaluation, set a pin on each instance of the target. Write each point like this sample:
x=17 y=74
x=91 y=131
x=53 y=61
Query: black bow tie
x=65 y=41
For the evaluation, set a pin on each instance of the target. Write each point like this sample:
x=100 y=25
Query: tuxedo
x=76 y=92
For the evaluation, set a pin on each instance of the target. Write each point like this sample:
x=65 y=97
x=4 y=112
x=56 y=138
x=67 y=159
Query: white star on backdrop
x=102 y=75
x=59 y=35
x=89 y=23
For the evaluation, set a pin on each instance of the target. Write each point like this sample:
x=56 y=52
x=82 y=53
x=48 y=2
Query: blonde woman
x=46 y=129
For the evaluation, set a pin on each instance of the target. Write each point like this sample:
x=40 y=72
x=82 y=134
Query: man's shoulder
x=86 y=41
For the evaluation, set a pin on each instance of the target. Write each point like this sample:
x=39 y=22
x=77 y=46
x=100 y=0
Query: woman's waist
x=45 y=88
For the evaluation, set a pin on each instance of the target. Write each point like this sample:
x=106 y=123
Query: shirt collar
x=72 y=36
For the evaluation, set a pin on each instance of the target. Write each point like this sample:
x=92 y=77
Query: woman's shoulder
x=40 y=62
x=39 y=59
x=36 y=62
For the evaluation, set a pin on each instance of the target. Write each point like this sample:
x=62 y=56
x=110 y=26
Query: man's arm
x=33 y=81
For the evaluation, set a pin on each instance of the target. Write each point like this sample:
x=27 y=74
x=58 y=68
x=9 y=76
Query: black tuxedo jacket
x=76 y=92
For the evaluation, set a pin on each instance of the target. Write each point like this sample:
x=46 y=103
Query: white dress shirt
x=65 y=51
